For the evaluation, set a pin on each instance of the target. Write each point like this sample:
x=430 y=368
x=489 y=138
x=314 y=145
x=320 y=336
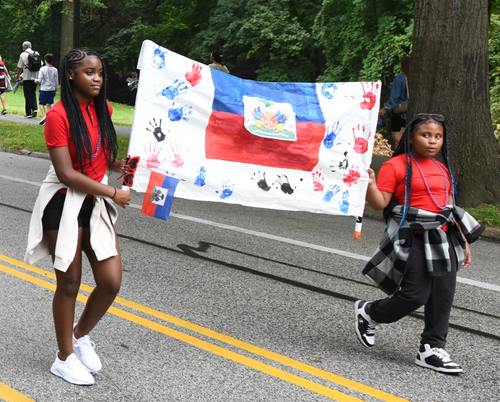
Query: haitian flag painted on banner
x=292 y=146
x=249 y=120
x=159 y=196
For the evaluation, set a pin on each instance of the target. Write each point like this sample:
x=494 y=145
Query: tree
x=449 y=76
x=268 y=40
x=67 y=27
x=363 y=39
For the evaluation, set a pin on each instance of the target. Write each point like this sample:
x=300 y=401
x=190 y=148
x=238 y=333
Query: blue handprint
x=172 y=91
x=159 y=55
x=200 y=179
x=227 y=189
x=331 y=135
x=180 y=113
x=344 y=203
x=334 y=189
x=328 y=89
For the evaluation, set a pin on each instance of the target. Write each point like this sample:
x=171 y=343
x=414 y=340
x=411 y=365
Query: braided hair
x=404 y=147
x=79 y=131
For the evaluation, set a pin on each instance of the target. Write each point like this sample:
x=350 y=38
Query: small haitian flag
x=159 y=196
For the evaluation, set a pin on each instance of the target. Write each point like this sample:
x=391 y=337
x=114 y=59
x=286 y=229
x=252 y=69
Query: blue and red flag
x=159 y=195
x=272 y=124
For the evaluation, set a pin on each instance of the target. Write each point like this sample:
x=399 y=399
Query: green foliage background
x=267 y=40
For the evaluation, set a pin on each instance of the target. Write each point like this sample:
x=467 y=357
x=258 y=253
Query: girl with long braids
x=74 y=211
x=425 y=242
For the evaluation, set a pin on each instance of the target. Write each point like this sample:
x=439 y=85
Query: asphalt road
x=228 y=303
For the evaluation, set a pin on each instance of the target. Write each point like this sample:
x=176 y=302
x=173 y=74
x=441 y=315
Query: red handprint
x=316 y=181
x=352 y=177
x=369 y=98
x=194 y=76
x=178 y=161
x=152 y=160
x=360 y=144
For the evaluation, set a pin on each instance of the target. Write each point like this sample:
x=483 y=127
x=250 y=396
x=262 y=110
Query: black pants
x=29 y=89
x=418 y=289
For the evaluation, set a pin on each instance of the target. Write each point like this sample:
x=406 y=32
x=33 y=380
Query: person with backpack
x=28 y=66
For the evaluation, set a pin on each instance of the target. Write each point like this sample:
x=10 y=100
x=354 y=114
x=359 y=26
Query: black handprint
x=338 y=163
x=285 y=184
x=261 y=181
x=156 y=130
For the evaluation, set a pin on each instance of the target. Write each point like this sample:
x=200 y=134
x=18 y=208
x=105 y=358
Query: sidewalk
x=120 y=130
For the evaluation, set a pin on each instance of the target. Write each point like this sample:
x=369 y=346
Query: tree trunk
x=449 y=76
x=67 y=27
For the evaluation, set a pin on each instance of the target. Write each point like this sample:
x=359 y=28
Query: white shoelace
x=370 y=329
x=442 y=354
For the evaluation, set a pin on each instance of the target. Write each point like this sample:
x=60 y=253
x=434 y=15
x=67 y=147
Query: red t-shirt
x=57 y=134
x=391 y=179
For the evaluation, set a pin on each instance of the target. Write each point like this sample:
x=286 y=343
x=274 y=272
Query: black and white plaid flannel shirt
x=387 y=266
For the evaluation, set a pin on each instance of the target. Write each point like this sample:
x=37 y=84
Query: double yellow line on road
x=199 y=343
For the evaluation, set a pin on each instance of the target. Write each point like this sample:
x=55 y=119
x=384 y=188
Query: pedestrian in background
x=398 y=100
x=425 y=243
x=216 y=62
x=28 y=78
x=74 y=212
x=4 y=76
x=49 y=81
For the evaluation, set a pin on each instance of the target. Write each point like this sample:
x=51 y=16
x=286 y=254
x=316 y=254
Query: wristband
x=114 y=195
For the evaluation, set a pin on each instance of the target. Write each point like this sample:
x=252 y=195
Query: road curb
x=34 y=154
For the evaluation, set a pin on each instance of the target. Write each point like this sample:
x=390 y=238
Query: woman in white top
x=216 y=62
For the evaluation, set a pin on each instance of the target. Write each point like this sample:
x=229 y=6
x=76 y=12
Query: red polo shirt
x=57 y=134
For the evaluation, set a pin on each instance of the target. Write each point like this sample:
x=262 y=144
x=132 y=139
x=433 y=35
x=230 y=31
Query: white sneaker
x=437 y=359
x=84 y=350
x=71 y=370
x=365 y=326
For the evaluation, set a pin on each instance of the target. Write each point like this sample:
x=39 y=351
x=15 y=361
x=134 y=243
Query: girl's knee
x=416 y=300
x=110 y=287
x=69 y=287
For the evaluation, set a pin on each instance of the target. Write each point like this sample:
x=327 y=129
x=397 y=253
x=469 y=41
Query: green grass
x=15 y=137
x=488 y=215
x=122 y=114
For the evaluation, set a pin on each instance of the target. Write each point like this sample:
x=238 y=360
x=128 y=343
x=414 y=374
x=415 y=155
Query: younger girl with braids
x=74 y=211
x=425 y=243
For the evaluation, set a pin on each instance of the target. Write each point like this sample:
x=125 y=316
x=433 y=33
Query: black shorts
x=53 y=212
x=397 y=123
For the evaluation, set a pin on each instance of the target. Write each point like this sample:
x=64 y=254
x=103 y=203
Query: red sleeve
x=387 y=180
x=110 y=108
x=56 y=130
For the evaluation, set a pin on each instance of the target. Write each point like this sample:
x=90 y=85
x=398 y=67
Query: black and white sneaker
x=4 y=112
x=365 y=326
x=437 y=359
x=33 y=114
x=42 y=122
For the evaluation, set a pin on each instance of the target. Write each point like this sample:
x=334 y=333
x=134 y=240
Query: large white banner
x=292 y=146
